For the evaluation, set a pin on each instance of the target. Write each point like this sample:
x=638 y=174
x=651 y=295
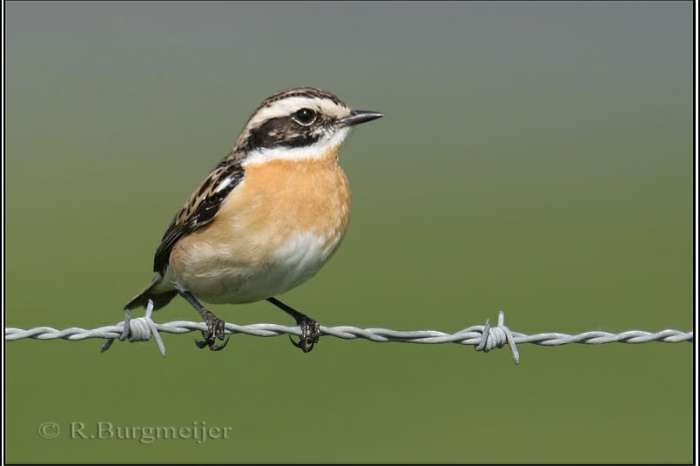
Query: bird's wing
x=199 y=210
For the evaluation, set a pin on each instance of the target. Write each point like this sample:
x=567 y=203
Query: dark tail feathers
x=160 y=299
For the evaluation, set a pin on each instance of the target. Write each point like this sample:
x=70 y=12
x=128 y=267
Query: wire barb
x=497 y=337
x=483 y=337
x=138 y=329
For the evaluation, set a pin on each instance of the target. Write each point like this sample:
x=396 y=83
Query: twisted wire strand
x=482 y=337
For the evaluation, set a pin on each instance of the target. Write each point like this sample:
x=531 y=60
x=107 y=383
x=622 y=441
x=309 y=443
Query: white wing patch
x=223 y=184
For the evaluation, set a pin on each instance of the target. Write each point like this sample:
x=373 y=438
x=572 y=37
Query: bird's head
x=297 y=124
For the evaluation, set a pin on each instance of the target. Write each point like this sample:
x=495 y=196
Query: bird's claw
x=310 y=332
x=216 y=329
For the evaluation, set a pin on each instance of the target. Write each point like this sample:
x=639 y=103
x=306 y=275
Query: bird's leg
x=215 y=326
x=310 y=329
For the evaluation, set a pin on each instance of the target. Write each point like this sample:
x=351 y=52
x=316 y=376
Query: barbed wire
x=482 y=337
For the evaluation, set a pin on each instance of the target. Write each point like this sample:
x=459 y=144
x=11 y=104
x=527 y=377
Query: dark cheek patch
x=282 y=132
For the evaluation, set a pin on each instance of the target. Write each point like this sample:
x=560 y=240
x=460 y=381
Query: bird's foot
x=310 y=331
x=215 y=330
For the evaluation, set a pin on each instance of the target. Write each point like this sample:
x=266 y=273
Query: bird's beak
x=359 y=116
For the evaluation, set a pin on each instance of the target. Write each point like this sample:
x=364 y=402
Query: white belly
x=234 y=281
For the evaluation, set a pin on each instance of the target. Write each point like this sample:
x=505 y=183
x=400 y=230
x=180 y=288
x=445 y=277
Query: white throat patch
x=315 y=151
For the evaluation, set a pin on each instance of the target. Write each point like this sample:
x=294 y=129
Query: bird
x=265 y=219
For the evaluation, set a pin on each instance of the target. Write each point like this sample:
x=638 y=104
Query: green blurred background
x=534 y=157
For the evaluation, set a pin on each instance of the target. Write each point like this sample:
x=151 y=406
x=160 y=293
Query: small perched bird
x=266 y=218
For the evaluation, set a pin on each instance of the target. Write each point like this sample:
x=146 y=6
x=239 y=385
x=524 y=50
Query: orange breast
x=275 y=203
x=289 y=196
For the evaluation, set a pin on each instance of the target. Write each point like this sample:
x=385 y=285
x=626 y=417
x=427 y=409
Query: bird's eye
x=305 y=116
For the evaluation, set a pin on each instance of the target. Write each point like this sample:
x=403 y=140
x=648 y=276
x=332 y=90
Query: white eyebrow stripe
x=287 y=106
